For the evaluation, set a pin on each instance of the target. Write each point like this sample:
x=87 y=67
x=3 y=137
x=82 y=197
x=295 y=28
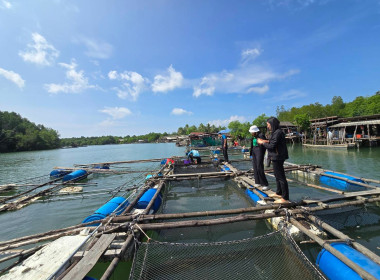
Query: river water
x=44 y=216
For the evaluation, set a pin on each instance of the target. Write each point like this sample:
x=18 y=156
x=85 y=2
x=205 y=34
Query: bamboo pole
x=11 y=205
x=364 y=179
x=40 y=239
x=132 y=204
x=52 y=232
x=362 y=273
x=348 y=181
x=365 y=251
x=121 y=219
x=107 y=274
x=312 y=185
x=210 y=222
x=147 y=209
x=28 y=191
x=120 y=162
x=22 y=253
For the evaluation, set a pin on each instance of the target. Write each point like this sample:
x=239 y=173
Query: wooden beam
x=90 y=259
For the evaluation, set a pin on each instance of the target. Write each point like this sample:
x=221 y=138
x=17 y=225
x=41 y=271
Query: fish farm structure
x=177 y=220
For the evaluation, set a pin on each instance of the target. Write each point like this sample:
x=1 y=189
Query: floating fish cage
x=210 y=220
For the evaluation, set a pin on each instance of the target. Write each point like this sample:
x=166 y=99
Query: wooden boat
x=333 y=146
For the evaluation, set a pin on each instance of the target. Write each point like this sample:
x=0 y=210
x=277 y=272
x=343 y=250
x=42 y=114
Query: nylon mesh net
x=270 y=256
x=350 y=216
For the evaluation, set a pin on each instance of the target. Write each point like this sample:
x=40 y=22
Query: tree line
x=19 y=134
x=301 y=116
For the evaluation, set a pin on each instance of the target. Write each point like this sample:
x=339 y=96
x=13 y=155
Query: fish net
x=191 y=169
x=270 y=256
x=350 y=216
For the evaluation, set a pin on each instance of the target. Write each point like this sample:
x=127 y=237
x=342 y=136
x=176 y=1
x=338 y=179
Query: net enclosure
x=270 y=256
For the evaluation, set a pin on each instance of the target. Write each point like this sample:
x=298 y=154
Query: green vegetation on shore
x=19 y=134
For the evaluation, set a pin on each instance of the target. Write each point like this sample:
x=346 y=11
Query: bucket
x=335 y=269
x=146 y=198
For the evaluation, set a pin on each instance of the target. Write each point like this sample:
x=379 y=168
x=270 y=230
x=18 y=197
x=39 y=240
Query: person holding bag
x=278 y=152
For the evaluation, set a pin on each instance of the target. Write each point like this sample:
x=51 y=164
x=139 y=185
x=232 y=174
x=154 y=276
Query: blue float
x=146 y=198
x=58 y=173
x=75 y=175
x=335 y=269
x=340 y=184
x=254 y=196
x=225 y=168
x=107 y=209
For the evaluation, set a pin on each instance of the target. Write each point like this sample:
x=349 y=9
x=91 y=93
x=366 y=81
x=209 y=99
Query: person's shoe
x=281 y=201
x=265 y=188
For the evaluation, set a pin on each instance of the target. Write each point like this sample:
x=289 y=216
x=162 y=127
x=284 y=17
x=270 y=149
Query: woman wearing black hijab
x=278 y=152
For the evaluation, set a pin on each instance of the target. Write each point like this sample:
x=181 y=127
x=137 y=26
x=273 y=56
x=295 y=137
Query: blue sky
x=92 y=68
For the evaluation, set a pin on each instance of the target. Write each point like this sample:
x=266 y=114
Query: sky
x=121 y=67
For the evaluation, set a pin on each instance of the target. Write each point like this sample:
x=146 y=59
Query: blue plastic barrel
x=58 y=173
x=75 y=175
x=107 y=209
x=254 y=196
x=225 y=168
x=335 y=269
x=340 y=184
x=146 y=198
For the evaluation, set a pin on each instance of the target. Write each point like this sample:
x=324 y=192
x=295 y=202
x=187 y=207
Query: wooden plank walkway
x=84 y=266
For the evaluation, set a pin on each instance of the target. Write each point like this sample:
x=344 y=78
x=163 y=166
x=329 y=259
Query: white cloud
x=173 y=80
x=96 y=48
x=180 y=111
x=112 y=75
x=40 y=52
x=249 y=54
x=227 y=121
x=13 y=77
x=259 y=90
x=116 y=112
x=77 y=81
x=244 y=79
x=290 y=94
x=5 y=4
x=132 y=84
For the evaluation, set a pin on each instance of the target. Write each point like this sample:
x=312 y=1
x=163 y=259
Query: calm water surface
x=39 y=217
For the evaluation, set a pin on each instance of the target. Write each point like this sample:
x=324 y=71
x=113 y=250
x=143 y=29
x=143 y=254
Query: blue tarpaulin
x=225 y=131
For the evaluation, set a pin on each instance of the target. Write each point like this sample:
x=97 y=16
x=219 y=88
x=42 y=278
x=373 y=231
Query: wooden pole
x=362 y=273
x=147 y=209
x=107 y=274
x=120 y=162
x=348 y=181
x=341 y=235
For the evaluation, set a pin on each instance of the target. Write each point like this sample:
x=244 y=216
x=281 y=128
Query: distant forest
x=19 y=134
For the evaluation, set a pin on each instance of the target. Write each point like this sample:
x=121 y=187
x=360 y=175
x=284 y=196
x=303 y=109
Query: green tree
x=302 y=120
x=260 y=121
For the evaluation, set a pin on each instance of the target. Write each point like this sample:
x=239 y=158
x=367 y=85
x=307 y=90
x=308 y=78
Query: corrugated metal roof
x=356 y=123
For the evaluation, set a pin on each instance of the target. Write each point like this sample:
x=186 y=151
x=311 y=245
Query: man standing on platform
x=224 y=145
